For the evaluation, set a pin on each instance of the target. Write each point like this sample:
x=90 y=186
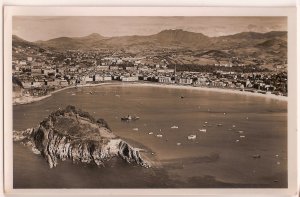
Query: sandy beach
x=31 y=99
x=232 y=91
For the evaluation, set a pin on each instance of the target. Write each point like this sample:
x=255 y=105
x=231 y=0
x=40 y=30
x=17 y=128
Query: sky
x=33 y=28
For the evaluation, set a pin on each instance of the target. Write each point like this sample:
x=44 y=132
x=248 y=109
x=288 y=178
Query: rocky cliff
x=73 y=134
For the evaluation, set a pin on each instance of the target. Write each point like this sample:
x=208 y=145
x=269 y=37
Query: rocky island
x=73 y=134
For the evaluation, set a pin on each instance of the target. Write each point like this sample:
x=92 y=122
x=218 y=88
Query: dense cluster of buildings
x=44 y=72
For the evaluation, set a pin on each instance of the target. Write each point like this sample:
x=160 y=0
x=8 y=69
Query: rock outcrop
x=76 y=135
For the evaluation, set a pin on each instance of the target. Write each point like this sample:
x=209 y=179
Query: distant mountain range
x=189 y=47
x=166 y=39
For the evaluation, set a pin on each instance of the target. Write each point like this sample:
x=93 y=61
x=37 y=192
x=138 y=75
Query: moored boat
x=191 y=137
x=129 y=118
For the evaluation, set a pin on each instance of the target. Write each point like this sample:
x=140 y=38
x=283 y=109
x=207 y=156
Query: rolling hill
x=165 y=39
x=257 y=45
x=71 y=42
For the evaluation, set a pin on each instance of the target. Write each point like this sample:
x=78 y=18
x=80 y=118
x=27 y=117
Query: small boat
x=191 y=137
x=159 y=135
x=237 y=140
x=233 y=126
x=257 y=156
x=174 y=127
x=129 y=118
x=219 y=125
x=150 y=133
x=126 y=118
x=202 y=130
x=91 y=92
x=135 y=129
x=73 y=94
x=178 y=143
x=136 y=118
x=240 y=132
x=242 y=136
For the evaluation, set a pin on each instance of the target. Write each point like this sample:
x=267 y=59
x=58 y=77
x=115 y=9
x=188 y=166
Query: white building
x=107 y=78
x=37 y=84
x=72 y=69
x=89 y=78
x=114 y=68
x=22 y=62
x=164 y=80
x=248 y=83
x=201 y=81
x=119 y=61
x=98 y=77
x=63 y=83
x=49 y=71
x=27 y=85
x=129 y=79
x=130 y=68
x=165 y=70
x=52 y=83
x=36 y=70
x=185 y=81
x=102 y=67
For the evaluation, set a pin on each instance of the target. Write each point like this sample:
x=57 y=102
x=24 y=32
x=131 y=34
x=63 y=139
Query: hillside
x=165 y=39
x=71 y=42
x=176 y=46
x=73 y=134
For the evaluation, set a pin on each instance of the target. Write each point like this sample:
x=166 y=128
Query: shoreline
x=31 y=99
x=213 y=89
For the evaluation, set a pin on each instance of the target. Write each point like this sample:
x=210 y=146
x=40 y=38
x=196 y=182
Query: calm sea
x=238 y=127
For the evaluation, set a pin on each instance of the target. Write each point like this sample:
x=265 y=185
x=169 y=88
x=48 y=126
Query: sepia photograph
x=128 y=102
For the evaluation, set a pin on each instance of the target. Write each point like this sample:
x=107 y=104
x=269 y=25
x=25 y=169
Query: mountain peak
x=15 y=37
x=172 y=31
x=180 y=32
x=166 y=30
x=94 y=35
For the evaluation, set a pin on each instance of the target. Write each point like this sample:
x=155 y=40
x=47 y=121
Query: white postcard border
x=290 y=12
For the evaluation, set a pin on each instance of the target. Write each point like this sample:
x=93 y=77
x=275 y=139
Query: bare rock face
x=76 y=135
